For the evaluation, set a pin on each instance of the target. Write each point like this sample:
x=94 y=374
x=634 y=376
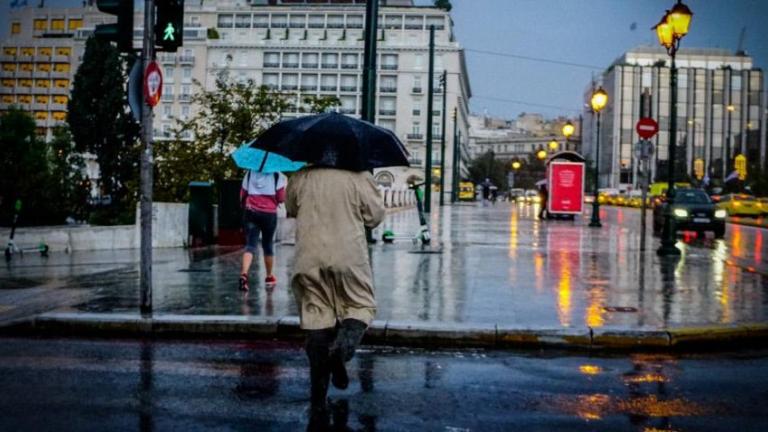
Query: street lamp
x=516 y=165
x=598 y=102
x=670 y=30
x=541 y=154
x=568 y=130
x=553 y=145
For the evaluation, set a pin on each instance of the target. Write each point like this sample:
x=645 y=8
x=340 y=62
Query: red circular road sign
x=646 y=127
x=153 y=84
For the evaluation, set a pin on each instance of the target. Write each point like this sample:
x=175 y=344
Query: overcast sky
x=583 y=32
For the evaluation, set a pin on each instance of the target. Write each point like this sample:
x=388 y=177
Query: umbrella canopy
x=334 y=140
x=250 y=158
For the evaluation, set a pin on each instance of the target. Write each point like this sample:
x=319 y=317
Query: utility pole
x=444 y=85
x=368 y=110
x=455 y=165
x=430 y=96
x=145 y=274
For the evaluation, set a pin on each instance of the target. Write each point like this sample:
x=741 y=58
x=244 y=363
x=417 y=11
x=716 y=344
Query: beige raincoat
x=332 y=277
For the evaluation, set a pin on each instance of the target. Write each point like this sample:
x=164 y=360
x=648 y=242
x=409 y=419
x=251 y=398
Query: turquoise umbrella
x=251 y=158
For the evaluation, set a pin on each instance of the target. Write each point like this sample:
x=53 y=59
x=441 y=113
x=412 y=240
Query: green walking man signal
x=169 y=27
x=168 y=33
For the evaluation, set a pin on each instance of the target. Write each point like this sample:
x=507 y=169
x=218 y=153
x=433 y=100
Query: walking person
x=332 y=279
x=260 y=194
x=544 y=198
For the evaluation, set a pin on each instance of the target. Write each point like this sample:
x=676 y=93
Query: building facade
x=720 y=114
x=299 y=47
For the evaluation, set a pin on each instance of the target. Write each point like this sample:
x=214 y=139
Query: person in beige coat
x=332 y=278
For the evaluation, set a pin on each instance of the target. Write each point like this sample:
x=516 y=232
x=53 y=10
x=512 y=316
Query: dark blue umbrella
x=334 y=140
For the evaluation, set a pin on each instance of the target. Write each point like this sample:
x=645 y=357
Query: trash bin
x=200 y=213
x=230 y=214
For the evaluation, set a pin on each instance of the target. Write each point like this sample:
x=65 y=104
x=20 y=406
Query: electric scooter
x=11 y=248
x=423 y=233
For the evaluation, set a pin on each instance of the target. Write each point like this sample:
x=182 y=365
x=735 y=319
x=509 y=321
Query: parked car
x=532 y=196
x=763 y=203
x=740 y=205
x=692 y=210
x=516 y=194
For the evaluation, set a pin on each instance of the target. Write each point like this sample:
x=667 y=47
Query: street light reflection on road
x=564 y=290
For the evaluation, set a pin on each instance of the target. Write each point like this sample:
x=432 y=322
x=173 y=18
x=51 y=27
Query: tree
x=68 y=186
x=230 y=114
x=487 y=166
x=24 y=170
x=101 y=124
x=444 y=4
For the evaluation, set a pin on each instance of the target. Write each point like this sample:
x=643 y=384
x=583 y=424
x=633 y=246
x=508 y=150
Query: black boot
x=317 y=347
x=343 y=349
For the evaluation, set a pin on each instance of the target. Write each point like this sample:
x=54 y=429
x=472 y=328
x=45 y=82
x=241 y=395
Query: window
x=75 y=23
x=260 y=21
x=309 y=82
x=41 y=99
x=291 y=60
x=243 y=21
x=271 y=80
x=418 y=61
x=414 y=22
x=349 y=83
x=168 y=90
x=185 y=111
x=328 y=83
x=335 y=21
x=187 y=72
x=61 y=83
x=226 y=21
x=355 y=21
x=316 y=21
x=43 y=67
x=27 y=67
x=271 y=59
x=169 y=70
x=58 y=24
x=310 y=60
x=8 y=83
x=28 y=51
x=298 y=21
x=330 y=61
x=416 y=128
x=279 y=21
x=389 y=61
x=44 y=51
x=16 y=28
x=166 y=111
x=63 y=51
x=9 y=67
x=60 y=99
x=9 y=51
x=61 y=67
x=40 y=24
x=349 y=61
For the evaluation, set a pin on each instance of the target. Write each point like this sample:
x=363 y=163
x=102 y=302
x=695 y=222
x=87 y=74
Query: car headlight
x=680 y=213
x=722 y=214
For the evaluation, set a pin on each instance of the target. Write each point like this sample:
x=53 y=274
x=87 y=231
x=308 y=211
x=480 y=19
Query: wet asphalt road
x=75 y=384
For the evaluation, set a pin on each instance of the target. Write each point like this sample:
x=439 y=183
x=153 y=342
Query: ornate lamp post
x=670 y=30
x=516 y=165
x=553 y=145
x=541 y=154
x=568 y=130
x=598 y=102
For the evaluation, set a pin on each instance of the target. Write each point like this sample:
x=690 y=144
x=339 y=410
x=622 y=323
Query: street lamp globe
x=679 y=18
x=516 y=165
x=553 y=145
x=568 y=129
x=665 y=33
x=541 y=154
x=599 y=100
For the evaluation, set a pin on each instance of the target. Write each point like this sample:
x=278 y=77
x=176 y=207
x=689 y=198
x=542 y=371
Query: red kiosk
x=565 y=184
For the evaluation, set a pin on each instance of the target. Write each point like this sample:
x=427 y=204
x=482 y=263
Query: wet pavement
x=496 y=264
x=76 y=384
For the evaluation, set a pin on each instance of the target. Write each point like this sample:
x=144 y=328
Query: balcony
x=23 y=74
x=58 y=107
x=60 y=59
x=388 y=89
x=59 y=91
x=167 y=58
x=349 y=88
x=7 y=74
x=416 y=90
x=389 y=67
x=413 y=26
x=309 y=65
x=186 y=59
x=415 y=136
x=290 y=65
x=56 y=74
x=330 y=65
x=7 y=58
x=271 y=64
x=39 y=107
x=387 y=112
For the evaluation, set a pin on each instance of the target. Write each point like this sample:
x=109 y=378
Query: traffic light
x=121 y=31
x=169 y=26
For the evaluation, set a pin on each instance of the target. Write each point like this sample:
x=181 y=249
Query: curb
x=393 y=333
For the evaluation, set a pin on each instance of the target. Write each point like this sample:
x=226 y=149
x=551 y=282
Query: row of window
x=39 y=51
x=40 y=83
x=313 y=60
x=348 y=83
x=40 y=67
x=38 y=99
x=54 y=24
x=331 y=21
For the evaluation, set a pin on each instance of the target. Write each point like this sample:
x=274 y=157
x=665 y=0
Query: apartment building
x=721 y=113
x=299 y=47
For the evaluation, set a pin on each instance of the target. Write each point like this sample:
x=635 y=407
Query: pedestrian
x=486 y=191
x=332 y=278
x=544 y=198
x=260 y=194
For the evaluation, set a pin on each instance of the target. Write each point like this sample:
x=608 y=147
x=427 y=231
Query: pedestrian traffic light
x=169 y=26
x=120 y=31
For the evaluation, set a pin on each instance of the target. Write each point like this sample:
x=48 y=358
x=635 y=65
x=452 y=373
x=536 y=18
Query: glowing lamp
x=541 y=154
x=516 y=165
x=679 y=19
x=599 y=99
x=665 y=33
x=568 y=129
x=553 y=145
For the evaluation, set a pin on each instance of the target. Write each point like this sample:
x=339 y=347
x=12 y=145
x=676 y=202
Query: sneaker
x=243 y=283
x=271 y=280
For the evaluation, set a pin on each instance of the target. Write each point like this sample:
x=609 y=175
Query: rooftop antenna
x=740 y=48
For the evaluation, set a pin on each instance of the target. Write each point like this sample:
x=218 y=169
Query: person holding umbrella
x=333 y=200
x=262 y=190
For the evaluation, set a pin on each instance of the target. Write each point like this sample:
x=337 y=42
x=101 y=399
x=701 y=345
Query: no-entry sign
x=153 y=84
x=646 y=127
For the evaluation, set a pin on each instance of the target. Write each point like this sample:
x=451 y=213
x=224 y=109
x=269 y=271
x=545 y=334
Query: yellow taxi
x=763 y=203
x=740 y=205
x=466 y=191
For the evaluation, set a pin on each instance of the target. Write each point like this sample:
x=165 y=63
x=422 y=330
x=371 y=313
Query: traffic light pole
x=145 y=278
x=430 y=97
x=444 y=81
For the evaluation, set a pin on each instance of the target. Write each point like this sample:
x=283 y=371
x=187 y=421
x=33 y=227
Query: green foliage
x=212 y=33
x=101 y=124
x=487 y=166
x=67 y=185
x=444 y=4
x=230 y=114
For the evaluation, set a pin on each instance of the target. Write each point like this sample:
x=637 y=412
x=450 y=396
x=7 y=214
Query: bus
x=466 y=191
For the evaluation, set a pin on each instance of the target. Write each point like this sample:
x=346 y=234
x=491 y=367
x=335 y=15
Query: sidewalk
x=503 y=279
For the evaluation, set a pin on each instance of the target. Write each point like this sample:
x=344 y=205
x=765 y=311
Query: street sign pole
x=646 y=128
x=145 y=272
